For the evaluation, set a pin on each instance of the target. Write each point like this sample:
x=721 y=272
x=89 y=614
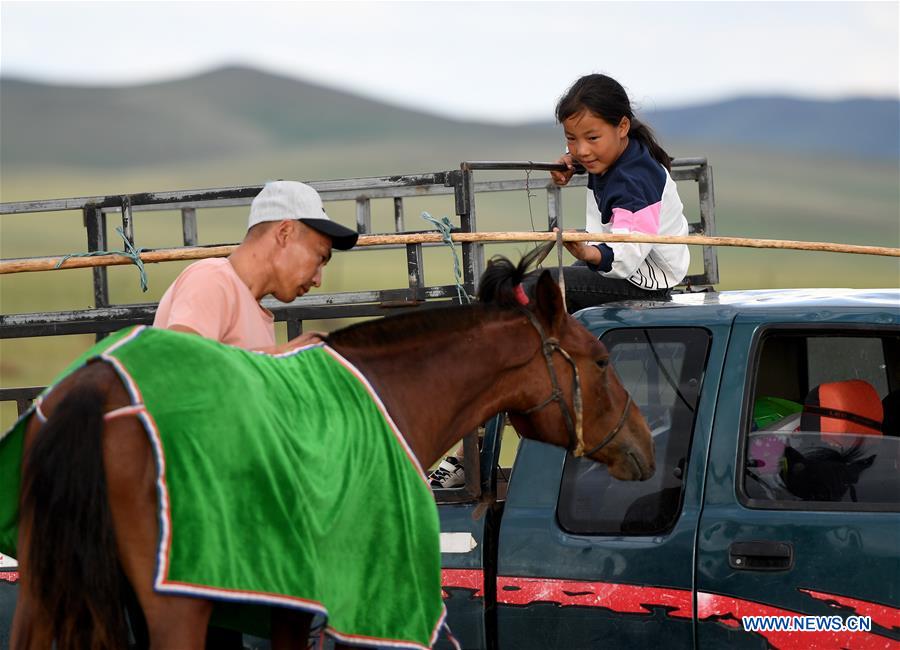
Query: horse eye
x=602 y=363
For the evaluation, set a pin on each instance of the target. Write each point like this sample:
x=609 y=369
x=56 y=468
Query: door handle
x=761 y=556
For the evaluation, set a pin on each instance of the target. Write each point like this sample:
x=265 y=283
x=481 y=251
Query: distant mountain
x=850 y=128
x=235 y=111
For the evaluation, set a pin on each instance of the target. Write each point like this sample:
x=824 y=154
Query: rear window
x=822 y=425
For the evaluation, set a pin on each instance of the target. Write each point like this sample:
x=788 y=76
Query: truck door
x=588 y=561
x=799 y=519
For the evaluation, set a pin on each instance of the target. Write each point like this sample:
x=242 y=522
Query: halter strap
x=549 y=345
x=612 y=434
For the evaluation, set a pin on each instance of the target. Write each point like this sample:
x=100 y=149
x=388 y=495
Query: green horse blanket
x=282 y=480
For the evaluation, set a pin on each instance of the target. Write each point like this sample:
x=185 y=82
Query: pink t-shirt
x=211 y=299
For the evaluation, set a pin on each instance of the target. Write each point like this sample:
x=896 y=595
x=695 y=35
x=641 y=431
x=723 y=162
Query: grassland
x=757 y=196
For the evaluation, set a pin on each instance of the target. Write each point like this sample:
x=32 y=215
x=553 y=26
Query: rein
x=549 y=345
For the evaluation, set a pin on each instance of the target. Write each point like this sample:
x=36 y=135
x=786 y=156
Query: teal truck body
x=756 y=507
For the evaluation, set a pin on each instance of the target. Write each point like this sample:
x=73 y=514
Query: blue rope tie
x=444 y=225
x=130 y=251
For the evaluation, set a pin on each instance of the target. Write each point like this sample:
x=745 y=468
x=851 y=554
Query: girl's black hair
x=606 y=98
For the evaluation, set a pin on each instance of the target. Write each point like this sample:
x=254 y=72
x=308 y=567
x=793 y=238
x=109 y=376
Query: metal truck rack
x=105 y=316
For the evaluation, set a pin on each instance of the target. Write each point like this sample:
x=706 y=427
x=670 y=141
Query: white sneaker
x=449 y=474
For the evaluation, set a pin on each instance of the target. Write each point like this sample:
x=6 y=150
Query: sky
x=502 y=62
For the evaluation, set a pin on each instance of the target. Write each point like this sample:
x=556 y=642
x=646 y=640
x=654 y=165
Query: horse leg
x=174 y=622
x=290 y=629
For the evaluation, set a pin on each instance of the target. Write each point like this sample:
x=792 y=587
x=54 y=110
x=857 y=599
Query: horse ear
x=548 y=301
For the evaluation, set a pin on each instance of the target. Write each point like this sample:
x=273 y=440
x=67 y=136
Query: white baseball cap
x=293 y=200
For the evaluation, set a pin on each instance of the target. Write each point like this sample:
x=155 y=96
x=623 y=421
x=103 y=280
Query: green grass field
x=756 y=196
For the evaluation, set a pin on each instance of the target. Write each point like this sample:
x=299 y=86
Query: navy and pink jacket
x=638 y=195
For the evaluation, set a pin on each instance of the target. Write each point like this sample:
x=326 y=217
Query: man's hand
x=562 y=178
x=307 y=338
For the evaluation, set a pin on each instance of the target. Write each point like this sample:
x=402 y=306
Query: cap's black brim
x=342 y=237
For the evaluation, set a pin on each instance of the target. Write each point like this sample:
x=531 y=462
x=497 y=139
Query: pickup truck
x=777 y=490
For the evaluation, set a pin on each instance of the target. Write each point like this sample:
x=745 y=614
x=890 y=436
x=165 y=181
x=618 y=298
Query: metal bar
x=294 y=328
x=108 y=319
x=689 y=174
x=708 y=223
x=501 y=165
x=415 y=269
x=64 y=329
x=357 y=297
x=237 y=192
x=189 y=226
x=471 y=462
x=452 y=495
x=352 y=195
x=398 y=214
x=374 y=187
x=363 y=216
x=103 y=320
x=341 y=195
x=95 y=223
x=473 y=253
x=127 y=220
x=554 y=208
x=490 y=454
x=23 y=397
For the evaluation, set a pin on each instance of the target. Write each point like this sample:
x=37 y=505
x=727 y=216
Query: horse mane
x=430 y=321
x=495 y=299
x=500 y=278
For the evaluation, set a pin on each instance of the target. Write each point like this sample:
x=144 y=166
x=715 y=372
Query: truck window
x=663 y=369
x=821 y=423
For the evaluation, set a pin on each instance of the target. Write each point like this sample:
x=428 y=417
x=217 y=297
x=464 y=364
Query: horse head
x=569 y=394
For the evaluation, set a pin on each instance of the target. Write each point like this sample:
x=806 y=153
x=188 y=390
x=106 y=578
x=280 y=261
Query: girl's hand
x=580 y=250
x=561 y=178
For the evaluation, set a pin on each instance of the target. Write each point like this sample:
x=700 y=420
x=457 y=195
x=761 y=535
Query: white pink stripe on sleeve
x=645 y=220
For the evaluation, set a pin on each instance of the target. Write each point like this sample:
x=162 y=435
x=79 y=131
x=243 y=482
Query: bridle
x=549 y=345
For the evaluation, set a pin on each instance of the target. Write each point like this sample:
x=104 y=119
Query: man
x=288 y=243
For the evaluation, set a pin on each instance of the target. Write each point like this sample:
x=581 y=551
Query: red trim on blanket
x=134 y=409
x=363 y=640
x=181 y=588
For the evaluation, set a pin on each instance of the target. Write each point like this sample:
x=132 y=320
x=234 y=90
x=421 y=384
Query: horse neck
x=438 y=388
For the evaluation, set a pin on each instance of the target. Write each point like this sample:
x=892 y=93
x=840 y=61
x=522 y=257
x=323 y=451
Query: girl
x=629 y=190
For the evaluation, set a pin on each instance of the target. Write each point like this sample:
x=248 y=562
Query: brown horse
x=89 y=503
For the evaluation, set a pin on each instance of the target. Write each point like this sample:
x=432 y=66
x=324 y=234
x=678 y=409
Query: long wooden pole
x=28 y=265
